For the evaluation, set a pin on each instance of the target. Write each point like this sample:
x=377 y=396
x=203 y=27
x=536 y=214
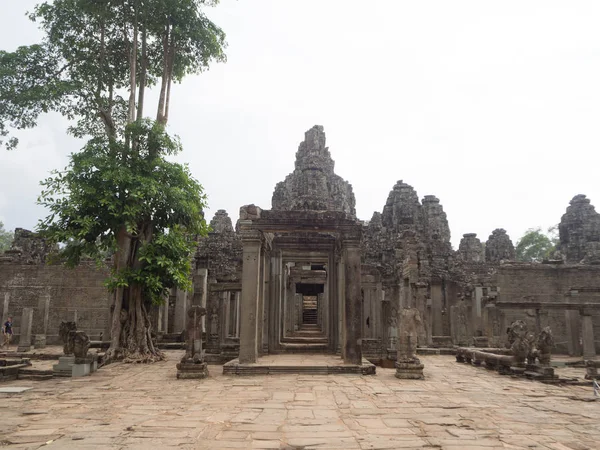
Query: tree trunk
x=165 y=75
x=133 y=70
x=143 y=74
x=131 y=339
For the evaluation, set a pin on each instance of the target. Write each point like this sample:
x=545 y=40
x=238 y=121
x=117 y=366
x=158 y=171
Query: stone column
x=476 y=310
x=341 y=291
x=573 y=332
x=5 y=308
x=288 y=301
x=44 y=308
x=200 y=292
x=181 y=300
x=275 y=289
x=260 y=317
x=352 y=305
x=436 y=310
x=298 y=311
x=378 y=311
x=224 y=314
x=587 y=332
x=25 y=330
x=165 y=314
x=251 y=241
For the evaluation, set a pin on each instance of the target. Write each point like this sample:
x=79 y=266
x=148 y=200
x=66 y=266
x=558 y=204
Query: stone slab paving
x=455 y=407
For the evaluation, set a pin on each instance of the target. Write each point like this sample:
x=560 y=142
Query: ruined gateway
x=308 y=276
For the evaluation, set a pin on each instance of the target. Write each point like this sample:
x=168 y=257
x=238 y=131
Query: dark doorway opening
x=310 y=301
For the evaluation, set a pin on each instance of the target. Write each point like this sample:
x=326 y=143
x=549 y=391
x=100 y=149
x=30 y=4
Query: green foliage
x=82 y=67
x=535 y=246
x=119 y=195
x=6 y=238
x=107 y=187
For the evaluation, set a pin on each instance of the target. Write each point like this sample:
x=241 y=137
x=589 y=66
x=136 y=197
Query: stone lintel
x=221 y=287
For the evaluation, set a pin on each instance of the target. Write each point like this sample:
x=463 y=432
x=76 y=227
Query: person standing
x=7 y=332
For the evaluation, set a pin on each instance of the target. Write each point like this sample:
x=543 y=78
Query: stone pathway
x=456 y=407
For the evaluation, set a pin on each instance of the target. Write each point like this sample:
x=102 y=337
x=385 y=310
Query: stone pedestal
x=81 y=370
x=409 y=369
x=25 y=330
x=64 y=368
x=191 y=370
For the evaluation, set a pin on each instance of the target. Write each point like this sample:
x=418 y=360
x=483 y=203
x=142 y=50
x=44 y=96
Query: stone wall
x=71 y=293
x=545 y=283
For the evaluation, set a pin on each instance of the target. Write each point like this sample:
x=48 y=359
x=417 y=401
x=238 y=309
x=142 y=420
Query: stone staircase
x=309 y=317
x=308 y=339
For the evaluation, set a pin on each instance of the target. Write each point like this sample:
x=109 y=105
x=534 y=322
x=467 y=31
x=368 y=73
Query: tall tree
x=535 y=245
x=119 y=193
x=6 y=238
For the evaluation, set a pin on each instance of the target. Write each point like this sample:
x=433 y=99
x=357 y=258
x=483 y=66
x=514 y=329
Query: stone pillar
x=298 y=309
x=587 y=332
x=341 y=291
x=200 y=292
x=476 y=310
x=225 y=314
x=267 y=302
x=159 y=320
x=324 y=305
x=251 y=241
x=107 y=330
x=288 y=301
x=275 y=288
x=5 y=308
x=572 y=320
x=437 y=327
x=25 y=330
x=181 y=299
x=44 y=308
x=261 y=302
x=165 y=314
x=352 y=305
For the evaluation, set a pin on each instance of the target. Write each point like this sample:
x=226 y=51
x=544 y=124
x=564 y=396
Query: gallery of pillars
x=301 y=285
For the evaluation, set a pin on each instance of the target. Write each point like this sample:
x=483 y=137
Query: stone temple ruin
x=308 y=276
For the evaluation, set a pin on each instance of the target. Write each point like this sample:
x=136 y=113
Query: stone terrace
x=456 y=407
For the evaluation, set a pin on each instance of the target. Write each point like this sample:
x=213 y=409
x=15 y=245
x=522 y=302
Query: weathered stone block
x=192 y=370
x=39 y=341
x=80 y=370
x=64 y=368
x=409 y=369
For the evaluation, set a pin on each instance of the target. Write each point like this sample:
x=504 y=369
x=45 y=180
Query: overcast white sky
x=493 y=106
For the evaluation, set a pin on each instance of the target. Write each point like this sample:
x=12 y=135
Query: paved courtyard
x=456 y=407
